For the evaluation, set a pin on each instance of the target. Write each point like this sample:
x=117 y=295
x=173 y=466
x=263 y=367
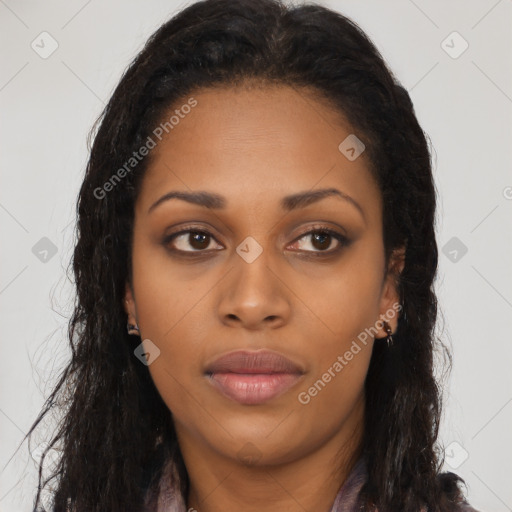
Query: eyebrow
x=288 y=203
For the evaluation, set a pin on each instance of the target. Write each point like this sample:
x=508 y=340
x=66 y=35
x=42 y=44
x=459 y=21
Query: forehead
x=262 y=142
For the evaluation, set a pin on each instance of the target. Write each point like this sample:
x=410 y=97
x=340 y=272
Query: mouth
x=252 y=378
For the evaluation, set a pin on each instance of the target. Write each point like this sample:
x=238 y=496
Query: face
x=266 y=263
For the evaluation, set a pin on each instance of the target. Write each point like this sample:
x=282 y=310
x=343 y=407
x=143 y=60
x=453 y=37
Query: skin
x=254 y=146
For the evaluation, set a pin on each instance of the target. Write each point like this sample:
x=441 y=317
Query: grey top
x=169 y=499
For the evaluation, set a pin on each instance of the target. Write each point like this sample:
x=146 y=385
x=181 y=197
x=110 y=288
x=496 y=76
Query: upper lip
x=246 y=361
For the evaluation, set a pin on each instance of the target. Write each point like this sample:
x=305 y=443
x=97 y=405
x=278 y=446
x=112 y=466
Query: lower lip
x=252 y=389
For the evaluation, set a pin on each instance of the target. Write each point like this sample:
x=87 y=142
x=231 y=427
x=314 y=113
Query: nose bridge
x=252 y=267
x=253 y=293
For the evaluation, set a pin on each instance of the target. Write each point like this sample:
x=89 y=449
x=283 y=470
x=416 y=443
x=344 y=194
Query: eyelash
x=342 y=240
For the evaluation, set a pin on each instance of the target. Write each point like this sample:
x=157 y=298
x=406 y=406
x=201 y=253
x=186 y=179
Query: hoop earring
x=389 y=332
x=133 y=329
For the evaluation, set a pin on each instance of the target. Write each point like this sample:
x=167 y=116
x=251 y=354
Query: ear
x=129 y=305
x=390 y=306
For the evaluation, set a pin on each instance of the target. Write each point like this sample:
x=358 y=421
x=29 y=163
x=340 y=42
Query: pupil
x=198 y=240
x=323 y=238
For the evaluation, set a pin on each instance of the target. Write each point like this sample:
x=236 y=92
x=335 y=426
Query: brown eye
x=190 y=241
x=198 y=240
x=321 y=241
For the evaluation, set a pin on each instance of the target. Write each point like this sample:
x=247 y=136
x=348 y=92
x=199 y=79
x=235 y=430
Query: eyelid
x=190 y=229
x=341 y=238
x=321 y=227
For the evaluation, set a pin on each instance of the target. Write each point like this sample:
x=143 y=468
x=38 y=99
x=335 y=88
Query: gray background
x=464 y=103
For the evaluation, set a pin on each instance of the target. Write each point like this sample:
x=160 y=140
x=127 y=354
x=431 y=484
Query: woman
x=254 y=326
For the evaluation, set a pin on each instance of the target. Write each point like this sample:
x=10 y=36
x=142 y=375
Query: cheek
x=165 y=292
x=344 y=299
x=346 y=308
x=177 y=329
x=170 y=313
x=341 y=359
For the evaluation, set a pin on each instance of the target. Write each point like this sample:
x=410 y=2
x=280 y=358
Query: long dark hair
x=116 y=433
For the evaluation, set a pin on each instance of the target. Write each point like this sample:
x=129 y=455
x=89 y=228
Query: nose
x=253 y=296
